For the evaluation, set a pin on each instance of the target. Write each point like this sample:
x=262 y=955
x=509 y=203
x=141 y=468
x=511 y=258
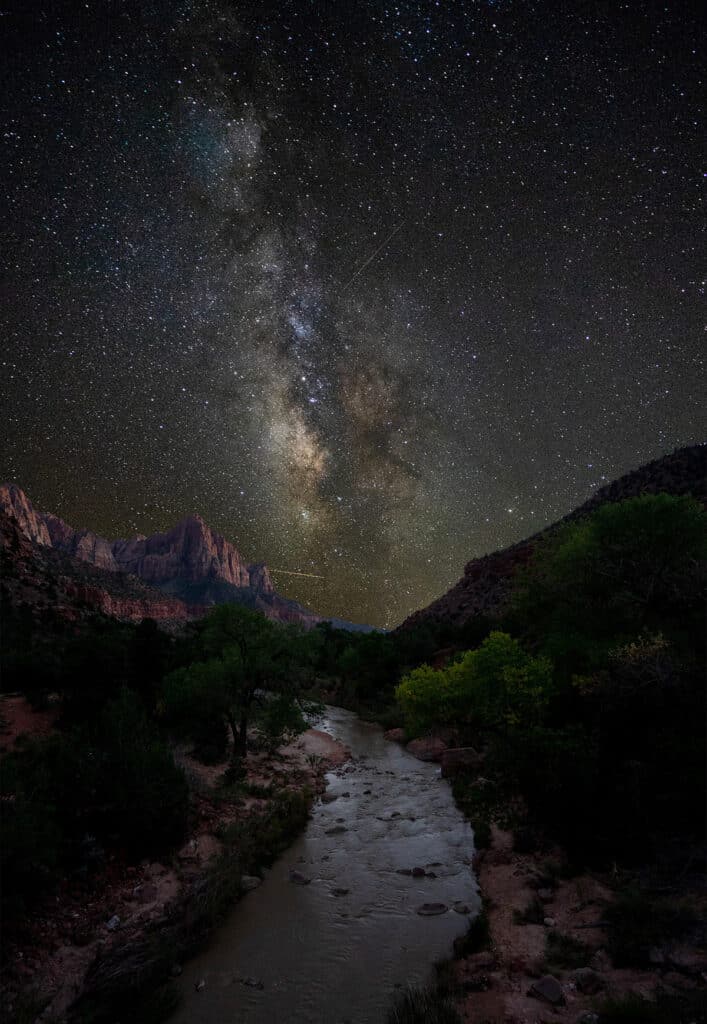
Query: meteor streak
x=288 y=572
x=373 y=255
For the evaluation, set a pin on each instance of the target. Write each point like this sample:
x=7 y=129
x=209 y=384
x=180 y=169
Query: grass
x=423 y=1006
x=563 y=951
x=638 y=923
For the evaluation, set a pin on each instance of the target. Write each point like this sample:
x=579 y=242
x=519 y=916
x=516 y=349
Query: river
x=336 y=950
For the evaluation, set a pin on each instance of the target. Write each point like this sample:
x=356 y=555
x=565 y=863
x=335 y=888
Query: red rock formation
x=83 y=544
x=126 y=570
x=190 y=551
x=15 y=502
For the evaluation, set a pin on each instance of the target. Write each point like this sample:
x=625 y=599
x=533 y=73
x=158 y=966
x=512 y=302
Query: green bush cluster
x=594 y=711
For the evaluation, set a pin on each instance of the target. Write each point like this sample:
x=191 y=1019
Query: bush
x=564 y=951
x=637 y=924
x=498 y=686
x=687 y=1008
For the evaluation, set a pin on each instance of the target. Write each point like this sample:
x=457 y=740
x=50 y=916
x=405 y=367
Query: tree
x=496 y=687
x=247 y=661
x=630 y=567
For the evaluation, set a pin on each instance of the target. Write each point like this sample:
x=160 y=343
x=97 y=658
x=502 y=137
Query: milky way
x=373 y=287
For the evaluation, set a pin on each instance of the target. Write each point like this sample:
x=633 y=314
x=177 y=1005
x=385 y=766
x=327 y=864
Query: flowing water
x=337 y=949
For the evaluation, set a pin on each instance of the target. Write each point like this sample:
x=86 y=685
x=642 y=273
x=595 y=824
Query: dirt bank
x=127 y=918
x=564 y=936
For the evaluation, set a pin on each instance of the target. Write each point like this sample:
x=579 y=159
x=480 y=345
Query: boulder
x=395 y=735
x=250 y=882
x=432 y=909
x=429 y=748
x=548 y=989
x=297 y=878
x=457 y=759
x=588 y=981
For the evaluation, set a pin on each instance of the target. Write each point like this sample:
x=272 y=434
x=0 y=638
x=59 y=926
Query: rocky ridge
x=486 y=583
x=173 y=575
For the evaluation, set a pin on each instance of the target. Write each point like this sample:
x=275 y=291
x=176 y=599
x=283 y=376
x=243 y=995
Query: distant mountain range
x=173 y=576
x=486 y=583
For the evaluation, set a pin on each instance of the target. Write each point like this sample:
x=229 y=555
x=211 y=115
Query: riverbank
x=551 y=947
x=106 y=941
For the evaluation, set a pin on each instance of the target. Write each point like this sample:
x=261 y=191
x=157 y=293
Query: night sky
x=374 y=287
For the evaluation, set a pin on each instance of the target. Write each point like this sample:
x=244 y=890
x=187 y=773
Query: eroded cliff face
x=190 y=551
x=144 y=576
x=83 y=544
x=44 y=579
x=15 y=502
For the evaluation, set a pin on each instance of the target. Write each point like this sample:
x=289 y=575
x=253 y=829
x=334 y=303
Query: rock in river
x=432 y=909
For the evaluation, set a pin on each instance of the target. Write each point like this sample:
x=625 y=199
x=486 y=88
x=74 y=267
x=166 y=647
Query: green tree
x=497 y=687
x=631 y=566
x=247 y=662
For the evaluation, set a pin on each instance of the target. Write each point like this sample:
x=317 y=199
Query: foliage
x=564 y=951
x=496 y=687
x=631 y=566
x=683 y=1008
x=109 y=782
x=245 y=664
x=638 y=923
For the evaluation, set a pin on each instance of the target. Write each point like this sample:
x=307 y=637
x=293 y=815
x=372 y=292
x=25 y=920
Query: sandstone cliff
x=175 y=575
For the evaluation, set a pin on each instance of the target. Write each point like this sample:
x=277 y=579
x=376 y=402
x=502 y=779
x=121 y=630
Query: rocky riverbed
x=362 y=904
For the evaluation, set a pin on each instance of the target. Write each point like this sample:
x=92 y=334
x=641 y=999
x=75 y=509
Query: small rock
x=200 y=985
x=600 y=961
x=429 y=749
x=346 y=794
x=113 y=923
x=336 y=830
x=250 y=882
x=461 y=908
x=418 y=872
x=329 y=798
x=432 y=909
x=252 y=983
x=549 y=989
x=549 y=922
x=588 y=981
x=339 y=892
x=299 y=879
x=395 y=735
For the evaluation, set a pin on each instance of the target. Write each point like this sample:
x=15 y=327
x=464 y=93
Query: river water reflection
x=337 y=950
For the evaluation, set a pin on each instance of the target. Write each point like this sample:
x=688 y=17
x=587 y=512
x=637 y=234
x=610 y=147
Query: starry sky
x=374 y=287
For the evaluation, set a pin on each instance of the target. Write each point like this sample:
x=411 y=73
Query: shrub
x=637 y=924
x=564 y=951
